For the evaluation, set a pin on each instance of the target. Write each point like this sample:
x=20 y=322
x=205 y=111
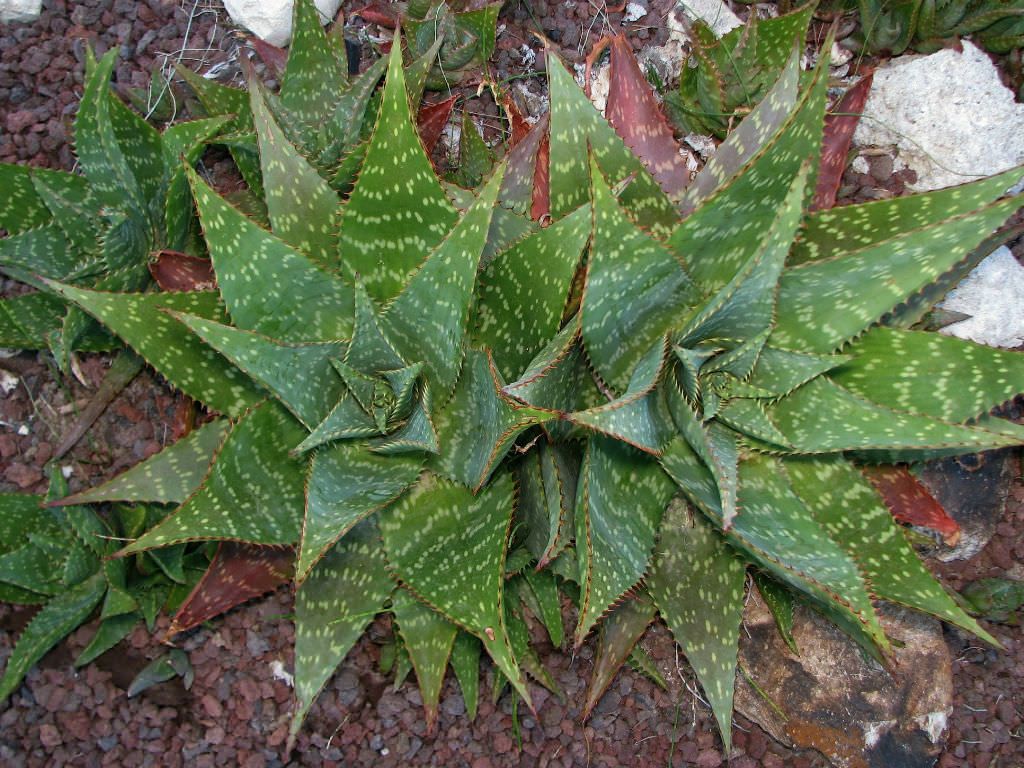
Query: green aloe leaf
x=142 y=148
x=459 y=568
x=697 y=583
x=254 y=492
x=315 y=75
x=302 y=206
x=59 y=617
x=465 y=663
x=69 y=199
x=274 y=364
x=22 y=208
x=849 y=508
x=621 y=497
x=428 y=320
x=110 y=632
x=479 y=424
x=429 y=638
x=40 y=252
x=626 y=262
x=823 y=304
x=780 y=602
x=347 y=483
x=621 y=629
x=547 y=493
x=141 y=320
x=26 y=320
x=549 y=380
x=524 y=289
x=292 y=299
x=715 y=240
x=343 y=593
x=576 y=125
x=939 y=376
x=340 y=134
x=822 y=417
x=638 y=417
x=167 y=477
x=397 y=191
x=546 y=603
x=99 y=152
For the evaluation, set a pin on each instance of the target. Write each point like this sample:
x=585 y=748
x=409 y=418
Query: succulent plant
x=456 y=414
x=97 y=228
x=462 y=34
x=61 y=558
x=734 y=72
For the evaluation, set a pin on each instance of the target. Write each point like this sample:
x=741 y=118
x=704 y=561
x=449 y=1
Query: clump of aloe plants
x=457 y=415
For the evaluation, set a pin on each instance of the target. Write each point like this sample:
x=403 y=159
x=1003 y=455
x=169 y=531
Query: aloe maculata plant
x=60 y=559
x=927 y=25
x=734 y=72
x=455 y=414
x=98 y=228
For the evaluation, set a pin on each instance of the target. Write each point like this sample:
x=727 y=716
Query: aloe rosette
x=454 y=413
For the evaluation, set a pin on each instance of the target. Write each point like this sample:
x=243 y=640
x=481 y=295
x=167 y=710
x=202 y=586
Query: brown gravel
x=237 y=711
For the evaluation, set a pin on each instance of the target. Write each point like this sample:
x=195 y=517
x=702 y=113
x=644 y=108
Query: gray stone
x=272 y=19
x=20 y=10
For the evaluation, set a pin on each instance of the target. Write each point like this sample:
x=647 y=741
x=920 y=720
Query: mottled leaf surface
x=254 y=492
x=620 y=631
x=428 y=638
x=697 y=583
x=621 y=497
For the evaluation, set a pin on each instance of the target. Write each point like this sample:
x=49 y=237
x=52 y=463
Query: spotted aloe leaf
x=697 y=583
x=348 y=482
x=169 y=476
x=524 y=290
x=294 y=300
x=480 y=423
x=316 y=71
x=625 y=260
x=429 y=638
x=620 y=631
x=394 y=153
x=780 y=602
x=575 y=125
x=253 y=493
x=465 y=663
x=910 y=372
x=547 y=493
x=621 y=497
x=237 y=573
x=428 y=319
x=468 y=538
x=343 y=593
x=837 y=494
x=142 y=322
x=302 y=206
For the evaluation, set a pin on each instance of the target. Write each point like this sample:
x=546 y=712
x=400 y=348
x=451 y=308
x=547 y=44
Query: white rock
x=8 y=382
x=20 y=10
x=993 y=295
x=948 y=114
x=714 y=13
x=272 y=19
x=634 y=12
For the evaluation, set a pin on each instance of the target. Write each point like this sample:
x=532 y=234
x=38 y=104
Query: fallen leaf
x=432 y=119
x=176 y=271
x=911 y=503
x=840 y=124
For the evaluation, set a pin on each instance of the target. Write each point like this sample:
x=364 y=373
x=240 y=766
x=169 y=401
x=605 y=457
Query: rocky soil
x=237 y=710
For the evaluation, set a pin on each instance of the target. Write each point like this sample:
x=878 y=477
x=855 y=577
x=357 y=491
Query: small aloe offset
x=459 y=417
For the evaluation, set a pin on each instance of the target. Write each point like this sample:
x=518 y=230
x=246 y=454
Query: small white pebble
x=8 y=382
x=23 y=429
x=860 y=165
x=280 y=673
x=67 y=470
x=384 y=752
x=634 y=12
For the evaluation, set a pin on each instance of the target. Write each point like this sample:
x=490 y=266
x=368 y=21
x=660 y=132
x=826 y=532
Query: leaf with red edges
x=238 y=572
x=840 y=124
x=637 y=118
x=911 y=503
x=177 y=271
x=375 y=13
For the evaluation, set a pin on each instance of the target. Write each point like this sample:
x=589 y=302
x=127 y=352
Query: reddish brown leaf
x=840 y=124
x=634 y=113
x=275 y=58
x=176 y=271
x=375 y=13
x=239 y=572
x=518 y=123
x=911 y=503
x=432 y=119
